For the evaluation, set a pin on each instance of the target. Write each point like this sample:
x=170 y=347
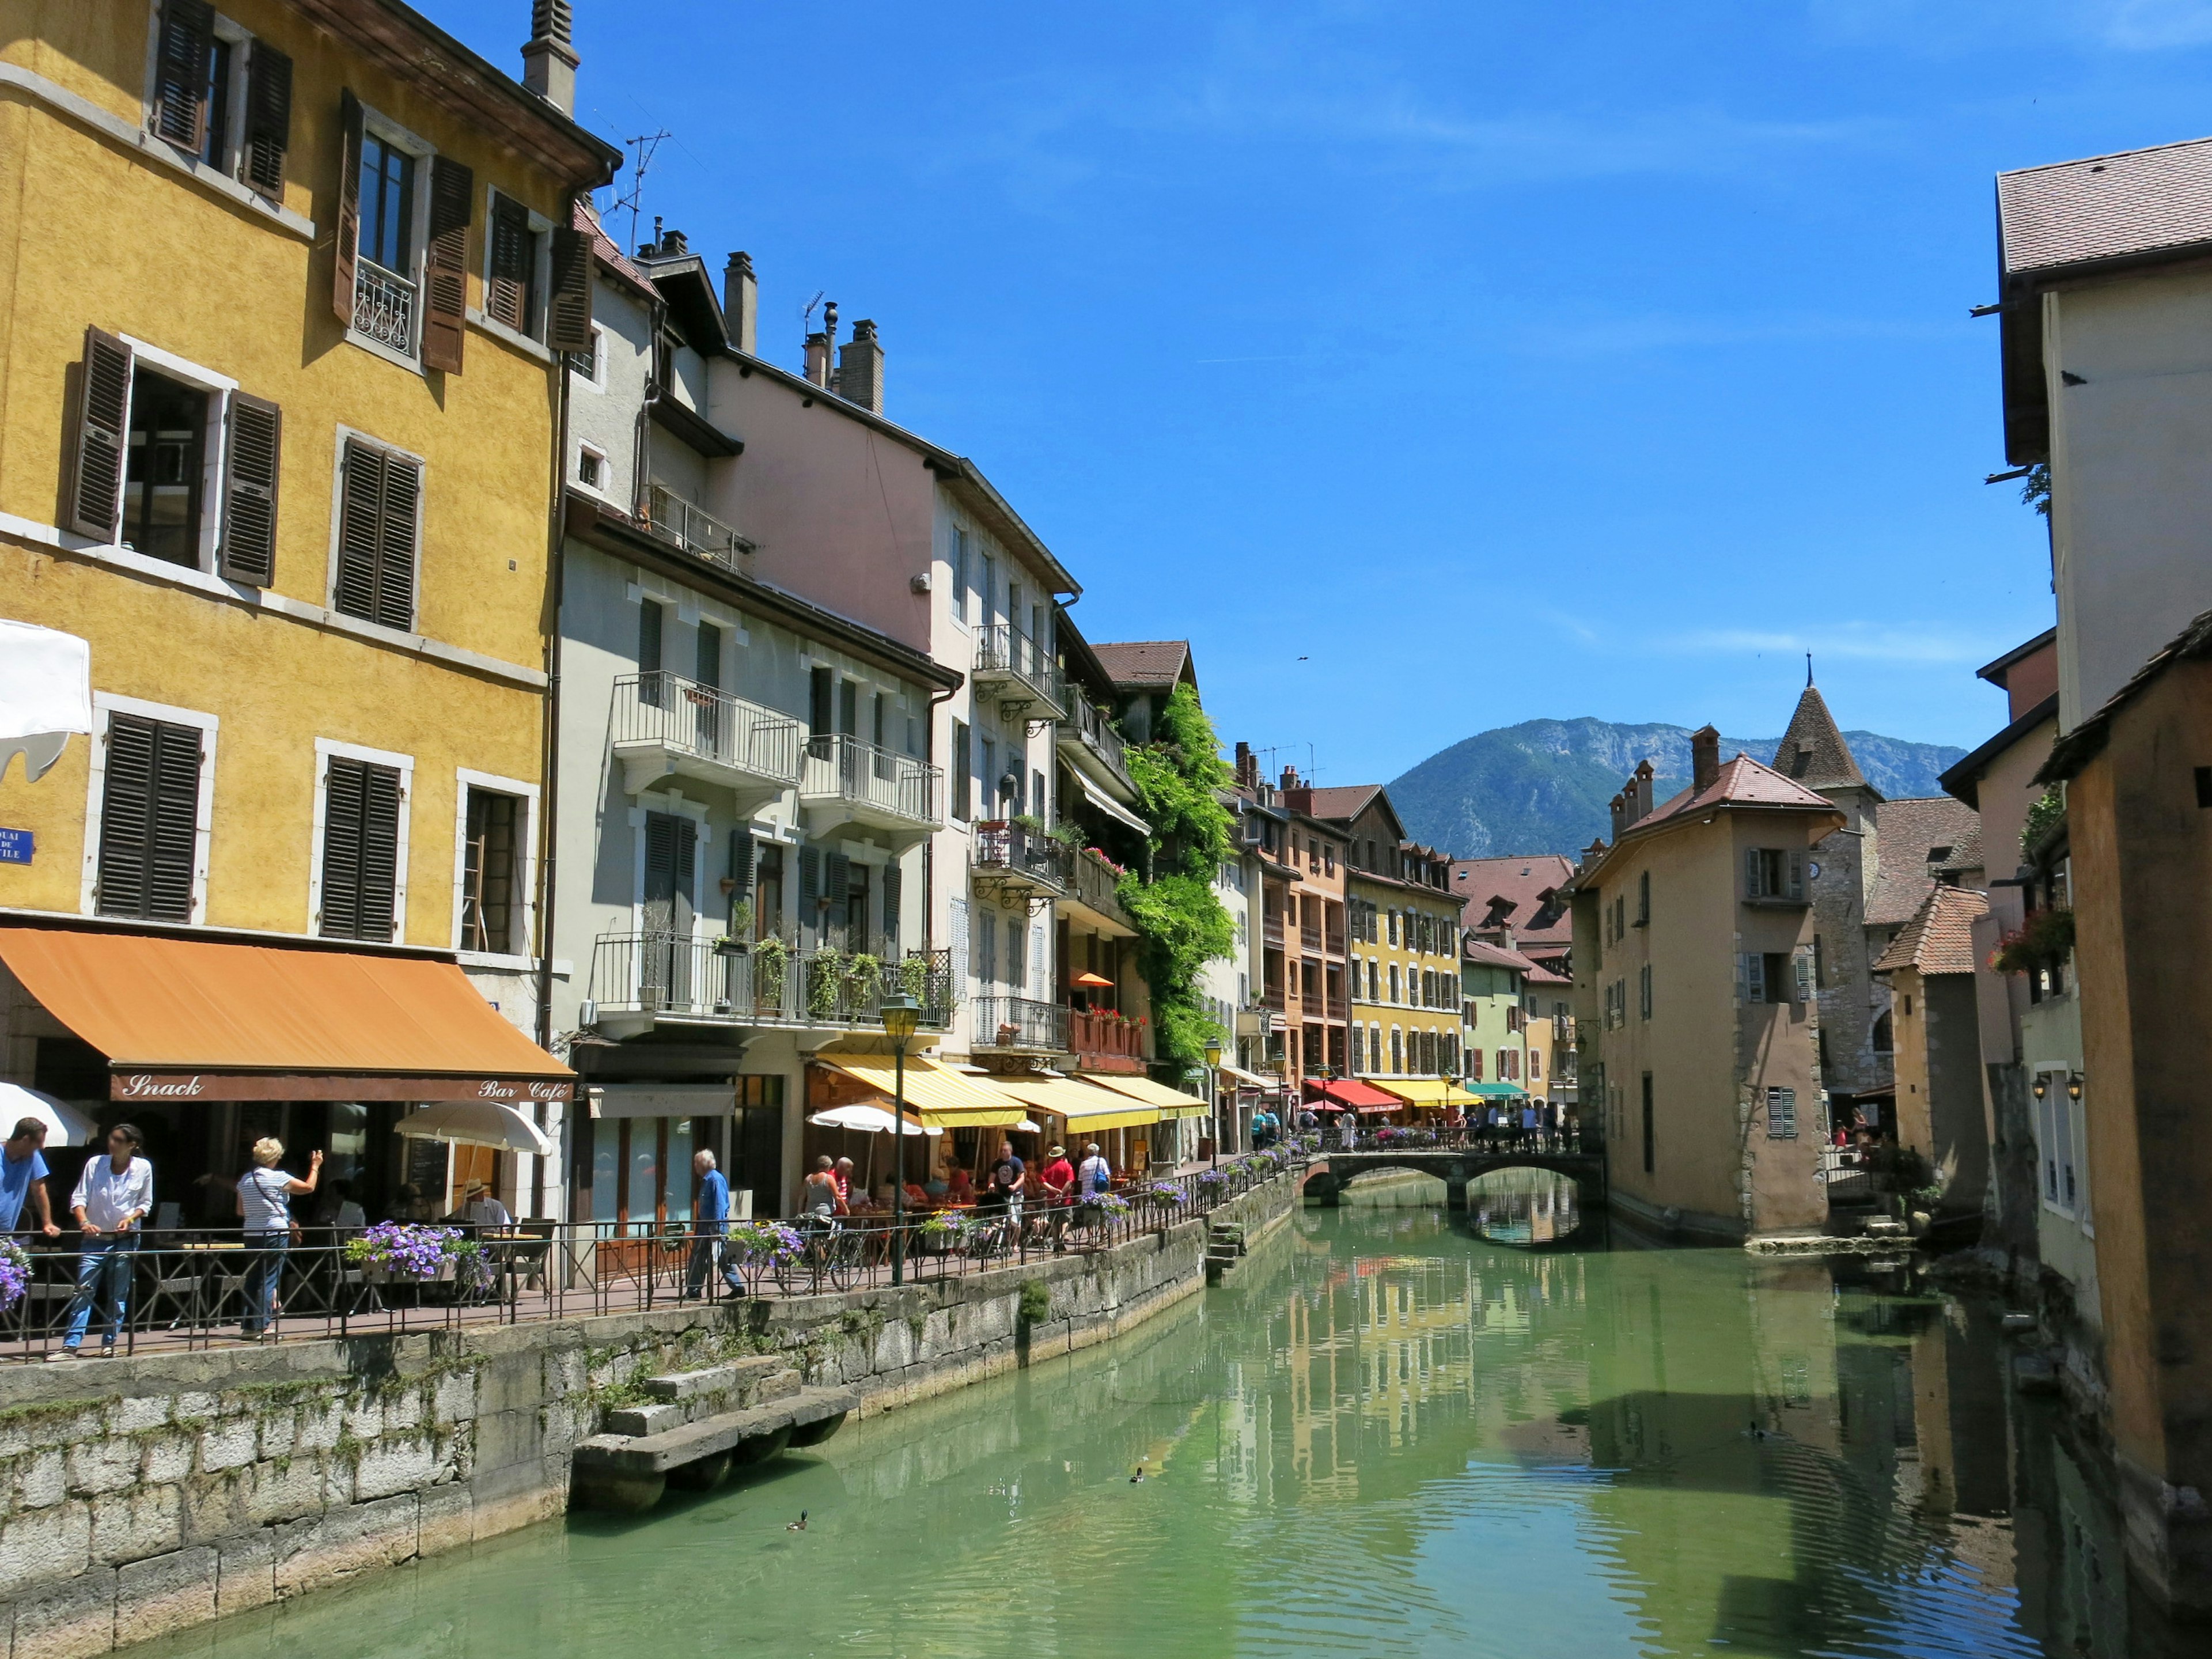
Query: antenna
x=645 y=144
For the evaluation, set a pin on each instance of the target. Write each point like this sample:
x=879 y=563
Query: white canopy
x=867 y=1120
x=477 y=1123
x=1112 y=808
x=66 y=1126
x=45 y=694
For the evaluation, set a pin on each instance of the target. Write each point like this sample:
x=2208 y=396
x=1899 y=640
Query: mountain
x=1545 y=786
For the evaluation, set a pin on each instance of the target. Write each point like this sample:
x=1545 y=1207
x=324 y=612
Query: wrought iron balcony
x=1087 y=736
x=847 y=781
x=1092 y=898
x=673 y=520
x=1019 y=672
x=664 y=723
x=640 y=978
x=384 y=305
x=1021 y=1023
x=842 y=987
x=1015 y=862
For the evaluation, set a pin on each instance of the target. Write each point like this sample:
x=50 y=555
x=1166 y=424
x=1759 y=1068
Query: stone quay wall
x=143 y=1495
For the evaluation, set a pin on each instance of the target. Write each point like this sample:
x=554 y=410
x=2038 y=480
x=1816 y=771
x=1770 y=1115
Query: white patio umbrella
x=477 y=1123
x=867 y=1120
x=45 y=694
x=66 y=1126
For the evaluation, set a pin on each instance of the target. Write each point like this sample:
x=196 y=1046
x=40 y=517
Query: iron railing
x=1094 y=884
x=863 y=775
x=384 y=306
x=1004 y=653
x=1094 y=729
x=764 y=982
x=707 y=724
x=843 y=988
x=184 y=1290
x=1020 y=1023
x=1006 y=854
x=673 y=520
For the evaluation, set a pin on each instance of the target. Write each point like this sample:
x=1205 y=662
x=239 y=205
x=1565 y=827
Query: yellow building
x=281 y=291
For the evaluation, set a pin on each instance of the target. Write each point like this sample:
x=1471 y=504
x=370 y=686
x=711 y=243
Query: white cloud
x=1852 y=642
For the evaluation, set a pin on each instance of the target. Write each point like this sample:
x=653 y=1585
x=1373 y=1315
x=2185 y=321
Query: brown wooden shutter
x=347 y=238
x=378 y=494
x=180 y=73
x=445 y=264
x=148 y=819
x=360 y=849
x=269 y=119
x=249 y=496
x=396 y=561
x=93 y=490
x=506 y=300
x=569 y=302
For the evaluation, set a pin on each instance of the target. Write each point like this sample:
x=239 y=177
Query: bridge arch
x=1327 y=1178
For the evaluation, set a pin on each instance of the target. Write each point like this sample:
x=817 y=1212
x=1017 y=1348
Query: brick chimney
x=1248 y=767
x=1704 y=758
x=860 y=368
x=1643 y=787
x=741 y=303
x=549 y=62
x=821 y=351
x=1620 y=806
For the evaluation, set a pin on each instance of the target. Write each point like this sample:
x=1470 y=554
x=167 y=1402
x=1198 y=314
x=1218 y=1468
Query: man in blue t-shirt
x=710 y=1220
x=23 y=1179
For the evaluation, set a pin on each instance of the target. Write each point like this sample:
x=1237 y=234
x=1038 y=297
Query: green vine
x=2048 y=810
x=770 y=958
x=825 y=981
x=1181 y=923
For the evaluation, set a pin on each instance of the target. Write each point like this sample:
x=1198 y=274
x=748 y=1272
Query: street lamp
x=901 y=1013
x=1214 y=1093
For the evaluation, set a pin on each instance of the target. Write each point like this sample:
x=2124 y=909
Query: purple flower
x=404 y=1249
x=14 y=1273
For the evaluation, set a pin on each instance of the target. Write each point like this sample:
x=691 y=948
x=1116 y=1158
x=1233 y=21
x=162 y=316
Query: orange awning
x=184 y=1018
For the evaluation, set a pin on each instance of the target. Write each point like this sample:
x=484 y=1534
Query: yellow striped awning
x=1172 y=1103
x=1425 y=1091
x=1086 y=1110
x=942 y=1098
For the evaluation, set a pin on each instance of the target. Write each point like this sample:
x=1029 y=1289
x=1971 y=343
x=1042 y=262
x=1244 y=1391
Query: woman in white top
x=264 y=1203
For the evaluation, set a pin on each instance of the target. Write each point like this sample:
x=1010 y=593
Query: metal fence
x=674 y=712
x=671 y=518
x=384 y=306
x=766 y=981
x=187 y=1290
x=882 y=779
x=1021 y=1023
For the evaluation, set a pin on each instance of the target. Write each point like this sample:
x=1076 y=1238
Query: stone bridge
x=1326 y=1179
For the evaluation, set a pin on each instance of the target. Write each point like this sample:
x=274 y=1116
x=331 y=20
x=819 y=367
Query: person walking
x=112 y=1196
x=819 y=1202
x=1057 y=1177
x=1094 y=1175
x=23 y=1179
x=264 y=1207
x=710 y=1226
x=842 y=1174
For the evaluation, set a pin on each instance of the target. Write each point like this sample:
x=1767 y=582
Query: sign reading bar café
x=327 y=1085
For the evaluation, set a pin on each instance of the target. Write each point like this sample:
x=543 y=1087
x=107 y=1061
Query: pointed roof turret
x=1813 y=751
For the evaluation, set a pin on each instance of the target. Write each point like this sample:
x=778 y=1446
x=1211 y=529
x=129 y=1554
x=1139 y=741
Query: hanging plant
x=14 y=1273
x=825 y=983
x=771 y=957
x=913 y=977
x=864 y=979
x=2045 y=941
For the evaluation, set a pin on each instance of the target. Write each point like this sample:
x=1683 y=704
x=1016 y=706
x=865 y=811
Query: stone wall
x=142 y=1496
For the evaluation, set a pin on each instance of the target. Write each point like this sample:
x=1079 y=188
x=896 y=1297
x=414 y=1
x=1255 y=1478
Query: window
x=1782 y=1115
x=589 y=364
x=986 y=951
x=491 y=865
x=1397 y=1051
x=1643 y=899
x=361 y=879
x=379 y=510
x=1650 y=1143
x=403 y=236
x=149 y=815
x=222 y=96
x=388 y=204
x=162 y=479
x=1882 y=1043
x=1393 y=981
x=1765 y=976
x=511 y=267
x=962 y=574
x=1643 y=992
x=1774 y=874
x=591 y=468
x=1473 y=1064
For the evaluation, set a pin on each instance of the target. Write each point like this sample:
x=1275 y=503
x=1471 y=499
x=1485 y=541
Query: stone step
x=714 y=1379
x=659 y=1452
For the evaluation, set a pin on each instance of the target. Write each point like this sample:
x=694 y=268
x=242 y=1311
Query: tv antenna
x=645 y=145
x=806 y=313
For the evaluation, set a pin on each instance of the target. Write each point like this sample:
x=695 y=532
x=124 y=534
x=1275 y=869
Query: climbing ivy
x=1181 y=923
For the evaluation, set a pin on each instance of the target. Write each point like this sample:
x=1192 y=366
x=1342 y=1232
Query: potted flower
x=1104 y=1207
x=943 y=1230
x=1164 y=1195
x=14 y=1273
x=403 y=1252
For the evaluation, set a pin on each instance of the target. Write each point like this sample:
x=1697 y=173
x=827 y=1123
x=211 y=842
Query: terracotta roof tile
x=2105 y=207
x=1344 y=800
x=1741 y=781
x=1144 y=662
x=1513 y=889
x=1940 y=936
x=1913 y=839
x=603 y=249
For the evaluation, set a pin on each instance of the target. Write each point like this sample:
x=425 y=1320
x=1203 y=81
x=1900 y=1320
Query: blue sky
x=1434 y=367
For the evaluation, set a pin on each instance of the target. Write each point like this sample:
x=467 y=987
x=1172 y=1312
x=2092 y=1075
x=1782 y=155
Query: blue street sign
x=16 y=846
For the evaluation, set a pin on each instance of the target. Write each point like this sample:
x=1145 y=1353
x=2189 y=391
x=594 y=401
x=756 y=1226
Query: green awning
x=1497 y=1091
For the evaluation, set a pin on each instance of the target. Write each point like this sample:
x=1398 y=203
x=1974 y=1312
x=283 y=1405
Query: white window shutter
x=1804 y=966
x=1755 y=976
x=1798 y=874
x=961 y=963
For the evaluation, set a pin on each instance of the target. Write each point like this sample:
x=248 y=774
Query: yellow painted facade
x=102 y=225
x=1406 y=997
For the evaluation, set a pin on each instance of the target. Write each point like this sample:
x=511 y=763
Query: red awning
x=1350 y=1094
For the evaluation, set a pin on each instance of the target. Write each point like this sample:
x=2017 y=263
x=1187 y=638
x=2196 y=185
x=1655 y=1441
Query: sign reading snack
x=134 y=1084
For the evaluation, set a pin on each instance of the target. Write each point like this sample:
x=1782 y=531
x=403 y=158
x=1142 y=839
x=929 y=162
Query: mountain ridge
x=1545 y=786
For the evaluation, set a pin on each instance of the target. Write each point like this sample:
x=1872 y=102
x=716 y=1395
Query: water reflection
x=1530 y=1207
x=1384 y=1436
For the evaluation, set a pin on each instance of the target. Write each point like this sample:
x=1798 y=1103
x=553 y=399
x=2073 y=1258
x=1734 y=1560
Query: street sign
x=16 y=846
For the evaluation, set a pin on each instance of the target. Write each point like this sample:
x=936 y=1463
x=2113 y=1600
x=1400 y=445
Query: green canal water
x=1387 y=1435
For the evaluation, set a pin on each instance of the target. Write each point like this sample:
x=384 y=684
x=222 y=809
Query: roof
x=1739 y=784
x=1965 y=855
x=1524 y=890
x=1964 y=778
x=2105 y=207
x=1913 y=839
x=1939 y=938
x=1813 y=751
x=2080 y=747
x=1341 y=801
x=1995 y=672
x=609 y=256
x=1494 y=956
x=1147 y=662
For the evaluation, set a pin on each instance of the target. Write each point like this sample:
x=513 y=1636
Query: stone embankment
x=143 y=1496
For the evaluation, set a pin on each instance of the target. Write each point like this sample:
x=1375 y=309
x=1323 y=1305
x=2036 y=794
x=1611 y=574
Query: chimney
x=1642 y=790
x=1290 y=779
x=817 y=358
x=1704 y=758
x=1619 y=806
x=860 y=368
x=741 y=303
x=1248 y=767
x=549 y=62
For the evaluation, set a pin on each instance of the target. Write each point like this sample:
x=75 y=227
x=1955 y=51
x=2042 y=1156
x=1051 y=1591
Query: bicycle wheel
x=842 y=1258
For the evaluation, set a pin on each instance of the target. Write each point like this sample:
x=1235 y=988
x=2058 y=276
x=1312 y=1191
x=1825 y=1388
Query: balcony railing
x=1019 y=666
x=1102 y=1040
x=1012 y=859
x=875 y=784
x=1094 y=885
x=673 y=520
x=1021 y=1023
x=1093 y=728
x=1272 y=998
x=678 y=976
x=1271 y=929
x=717 y=733
x=384 y=306
x=1310 y=940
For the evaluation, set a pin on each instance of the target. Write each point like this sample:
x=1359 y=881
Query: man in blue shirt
x=710 y=1220
x=23 y=1179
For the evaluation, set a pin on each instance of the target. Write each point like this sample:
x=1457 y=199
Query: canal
x=1387 y=1435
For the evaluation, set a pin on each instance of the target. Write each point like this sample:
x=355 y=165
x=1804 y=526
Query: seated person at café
x=480 y=1209
x=959 y=1189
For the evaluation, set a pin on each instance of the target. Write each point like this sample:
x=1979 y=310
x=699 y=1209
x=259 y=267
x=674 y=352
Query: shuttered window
x=94 y=490
x=148 y=819
x=250 y=472
x=963 y=804
x=508 y=295
x=568 y=299
x=490 y=868
x=893 y=886
x=180 y=73
x=379 y=497
x=360 y=849
x=268 y=118
x=445 y=264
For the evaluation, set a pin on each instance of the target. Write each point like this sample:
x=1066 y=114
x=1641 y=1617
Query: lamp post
x=1214 y=1094
x=901 y=1013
